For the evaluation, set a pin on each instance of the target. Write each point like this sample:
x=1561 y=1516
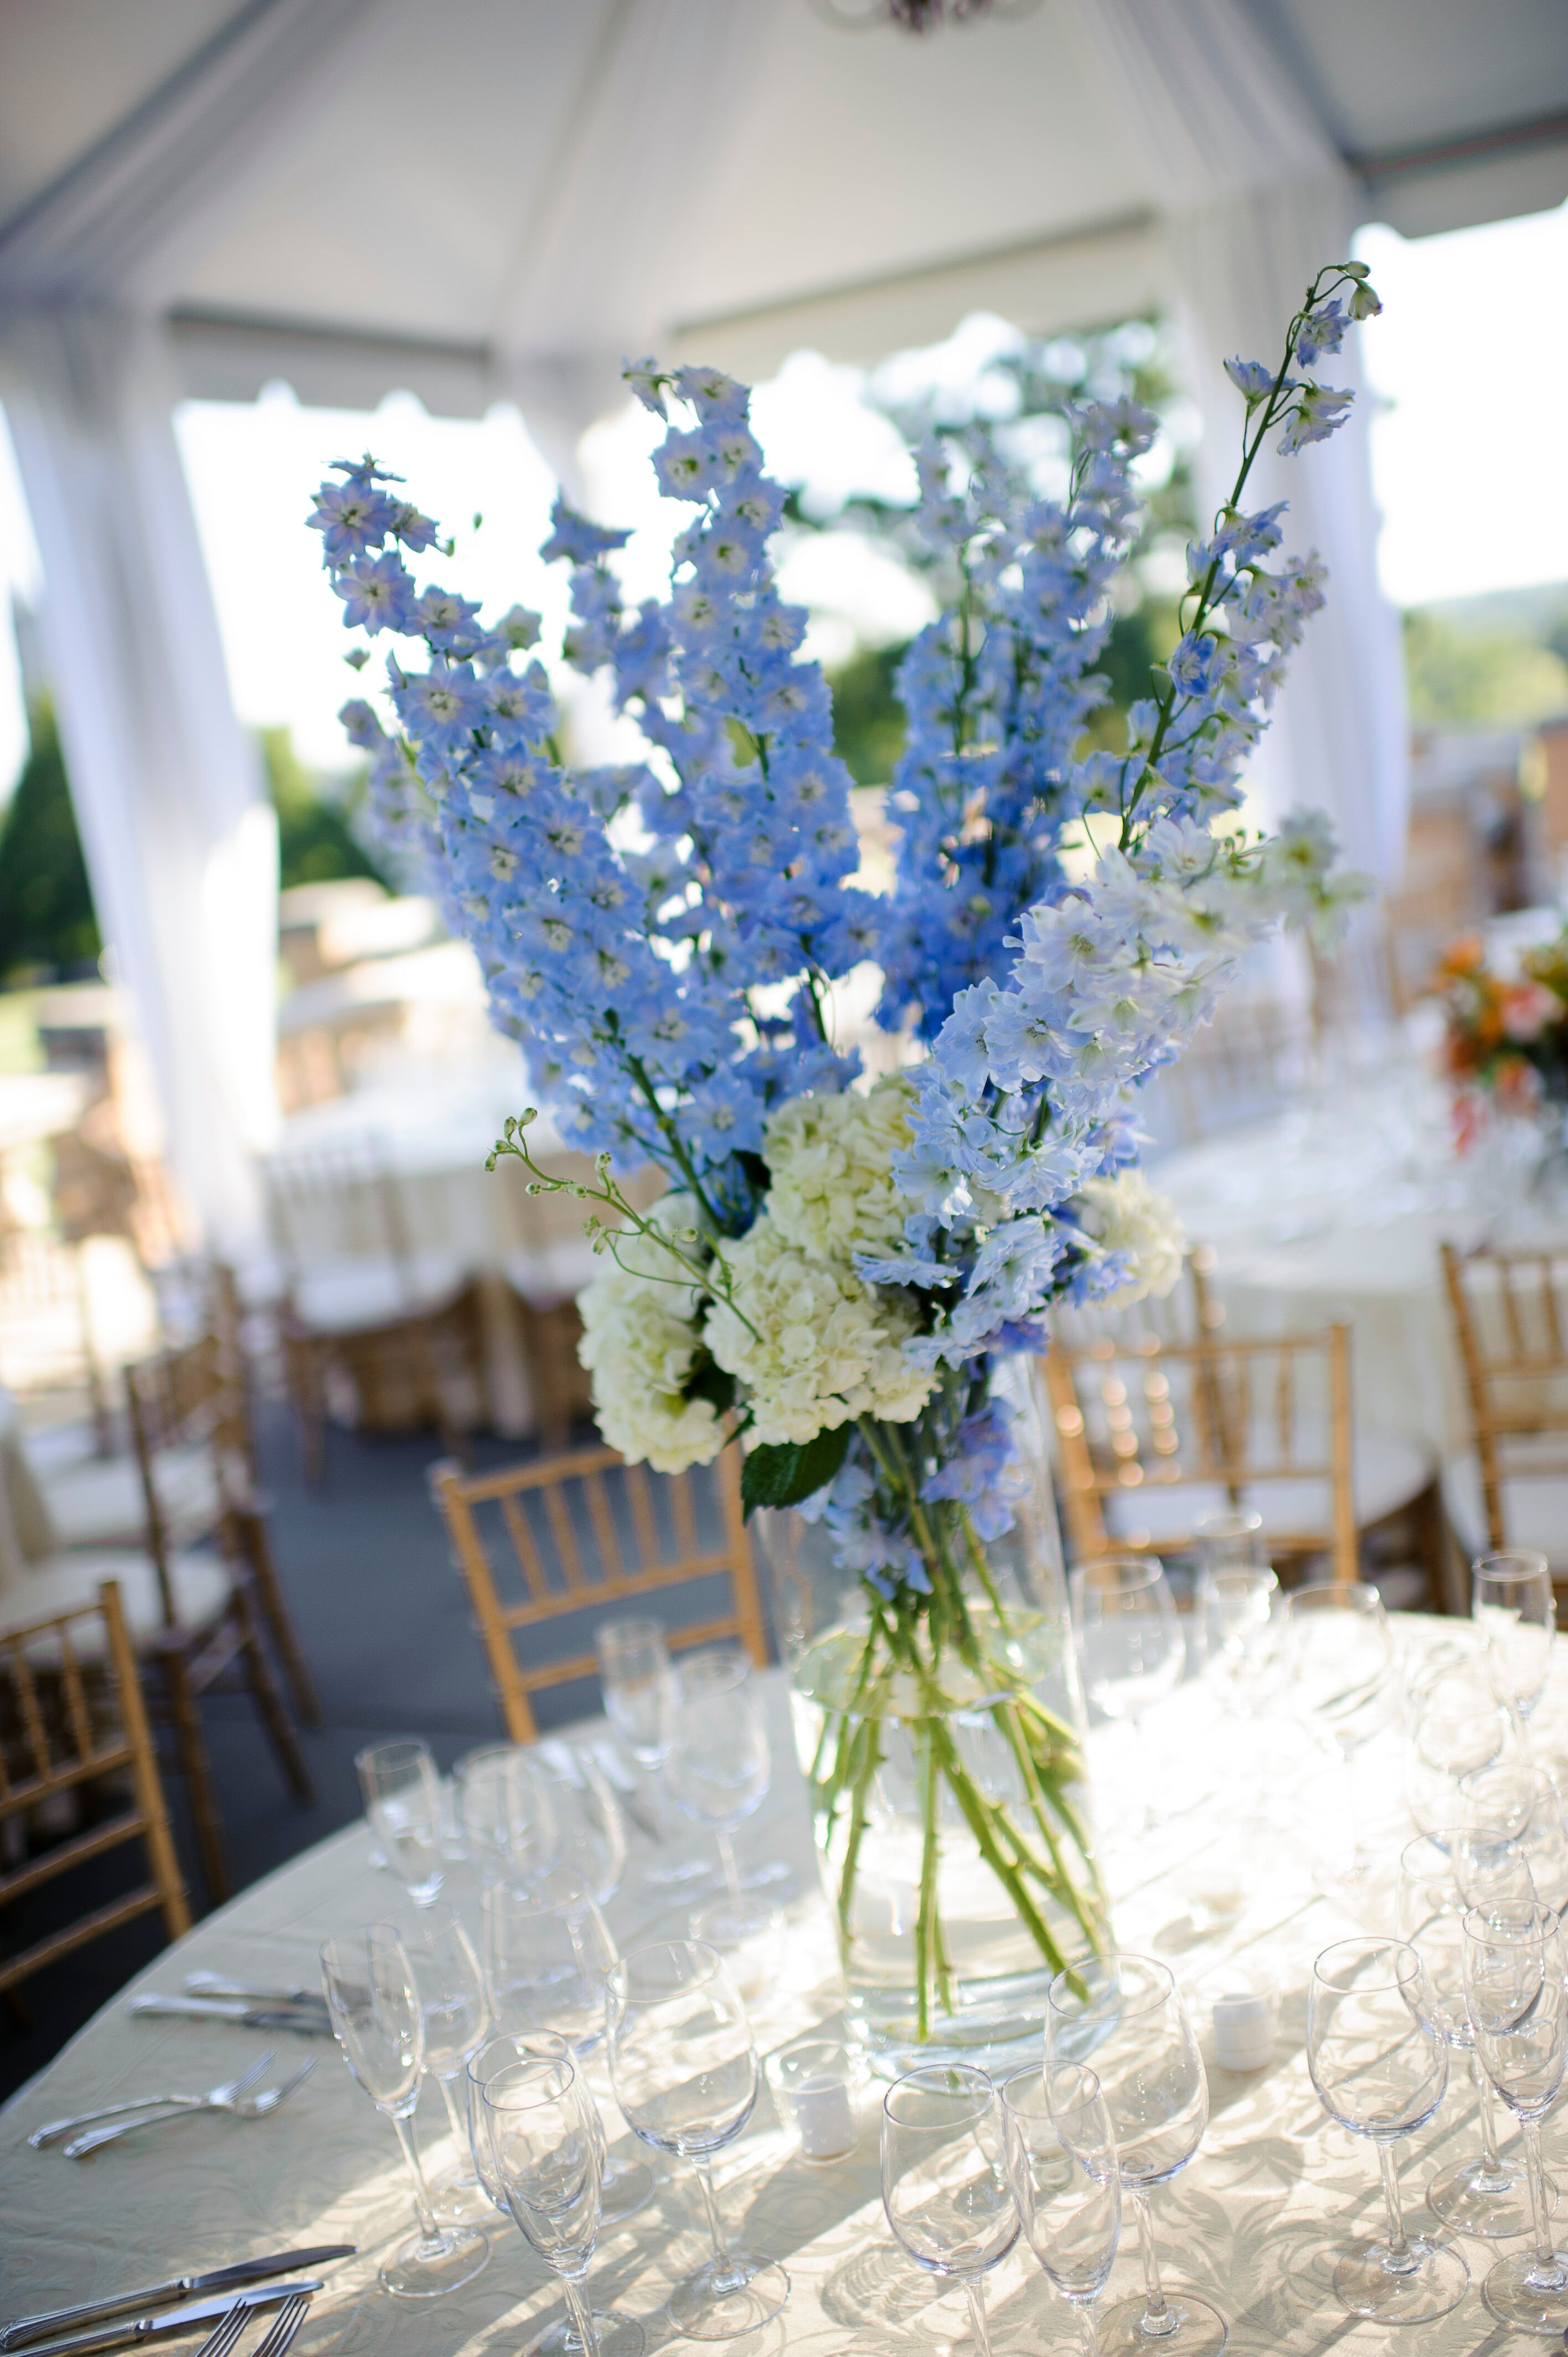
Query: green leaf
x=780 y=1473
x=708 y=1381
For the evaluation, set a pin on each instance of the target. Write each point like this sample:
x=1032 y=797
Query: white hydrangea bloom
x=831 y=1160
x=639 y=1338
x=826 y=1347
x=1126 y=1214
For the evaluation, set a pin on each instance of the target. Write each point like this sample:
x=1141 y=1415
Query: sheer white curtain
x=1254 y=199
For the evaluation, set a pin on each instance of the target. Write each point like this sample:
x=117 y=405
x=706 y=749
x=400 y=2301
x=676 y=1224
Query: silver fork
x=216 y=2099
x=244 y=2107
x=226 y=2332
x=282 y=2329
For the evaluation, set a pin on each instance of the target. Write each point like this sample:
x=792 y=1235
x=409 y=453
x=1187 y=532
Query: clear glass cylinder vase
x=943 y=1746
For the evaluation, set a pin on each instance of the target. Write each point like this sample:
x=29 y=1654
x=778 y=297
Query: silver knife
x=185 y=2318
x=28 y=2329
x=311 y=2021
x=219 y=1984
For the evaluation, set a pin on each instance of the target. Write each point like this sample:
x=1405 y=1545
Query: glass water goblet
x=1123 y=2016
x=1440 y=1878
x=686 y=2076
x=1339 y=1657
x=1380 y=2066
x=1517 y=1806
x=720 y=1768
x=403 y=1805
x=456 y=2015
x=505 y=1812
x=944 y=2178
x=1516 y=1985
x=1513 y=1605
x=544 y=2144
x=1131 y=1648
x=376 y=2020
x=1061 y=2165
x=590 y=1826
x=1240 y=1635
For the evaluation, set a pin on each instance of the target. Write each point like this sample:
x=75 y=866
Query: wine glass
x=455 y=2012
x=1240 y=1634
x=1123 y=2016
x=641 y=1697
x=1339 y=1657
x=1512 y=1604
x=1380 y=2066
x=1441 y=1875
x=720 y=1768
x=1456 y=1725
x=376 y=2020
x=944 y=2177
x=402 y=1803
x=1061 y=2165
x=506 y=1815
x=544 y=2144
x=1518 y=1804
x=1130 y=1645
x=590 y=1826
x=1232 y=1541
x=1515 y=1973
x=685 y=2075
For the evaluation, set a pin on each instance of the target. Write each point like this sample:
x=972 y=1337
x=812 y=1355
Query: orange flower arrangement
x=1507 y=1038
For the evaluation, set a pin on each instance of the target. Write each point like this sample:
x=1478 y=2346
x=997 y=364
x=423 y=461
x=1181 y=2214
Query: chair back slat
x=1507 y=1309
x=69 y=1740
x=1141 y=1417
x=617 y=1534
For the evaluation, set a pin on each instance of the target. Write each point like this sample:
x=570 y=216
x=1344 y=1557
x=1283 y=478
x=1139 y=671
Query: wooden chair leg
x=280 y=1622
x=269 y=1700
x=195 y=1767
x=302 y=1359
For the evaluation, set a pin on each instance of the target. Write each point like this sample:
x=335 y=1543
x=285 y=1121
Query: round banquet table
x=1250 y=2223
x=1333 y=1211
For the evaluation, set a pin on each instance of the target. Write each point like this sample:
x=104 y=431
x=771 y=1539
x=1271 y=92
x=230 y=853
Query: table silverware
x=309 y=2021
x=226 y=2333
x=128 y=2334
x=283 y=2328
x=24 y=2330
x=252 y=1992
x=244 y=2107
x=216 y=2099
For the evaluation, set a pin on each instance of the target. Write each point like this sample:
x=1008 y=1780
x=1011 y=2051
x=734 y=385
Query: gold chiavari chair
x=1509 y=1487
x=583 y=1531
x=74 y=1733
x=1153 y=1436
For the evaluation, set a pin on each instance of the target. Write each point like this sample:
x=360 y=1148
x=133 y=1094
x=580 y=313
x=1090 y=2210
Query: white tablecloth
x=1251 y=2223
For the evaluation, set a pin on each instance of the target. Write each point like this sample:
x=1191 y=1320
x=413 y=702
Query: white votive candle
x=823 y=2116
x=1244 y=2031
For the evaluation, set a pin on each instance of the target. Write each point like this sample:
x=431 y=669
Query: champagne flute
x=1513 y=1605
x=685 y=2075
x=506 y=1815
x=1123 y=2016
x=403 y=1805
x=376 y=2020
x=1456 y=1726
x=633 y=2178
x=944 y=2178
x=720 y=1768
x=1240 y=1634
x=1380 y=2067
x=590 y=1826
x=1130 y=1645
x=1440 y=1876
x=544 y=2144
x=641 y=1698
x=1061 y=2165
x=1515 y=1976
x=455 y=2012
x=1340 y=1659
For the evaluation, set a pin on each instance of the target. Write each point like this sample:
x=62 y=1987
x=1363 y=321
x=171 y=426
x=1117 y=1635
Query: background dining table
x=1240 y=1871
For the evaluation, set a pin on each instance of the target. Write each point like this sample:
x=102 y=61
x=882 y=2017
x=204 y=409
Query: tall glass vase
x=942 y=1737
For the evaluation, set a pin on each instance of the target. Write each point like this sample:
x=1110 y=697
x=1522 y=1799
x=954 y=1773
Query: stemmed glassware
x=1061 y=2165
x=1518 y=1804
x=1456 y=1726
x=1240 y=1634
x=1130 y=1644
x=376 y=2020
x=944 y=2177
x=1512 y=1603
x=1440 y=1876
x=403 y=1805
x=1516 y=1985
x=1380 y=2066
x=720 y=1769
x=590 y=1827
x=1123 y=2016
x=686 y=2077
x=544 y=2145
x=455 y=2012
x=1340 y=1659
x=505 y=1813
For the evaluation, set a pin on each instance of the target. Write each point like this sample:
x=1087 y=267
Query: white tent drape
x=1254 y=199
x=179 y=838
